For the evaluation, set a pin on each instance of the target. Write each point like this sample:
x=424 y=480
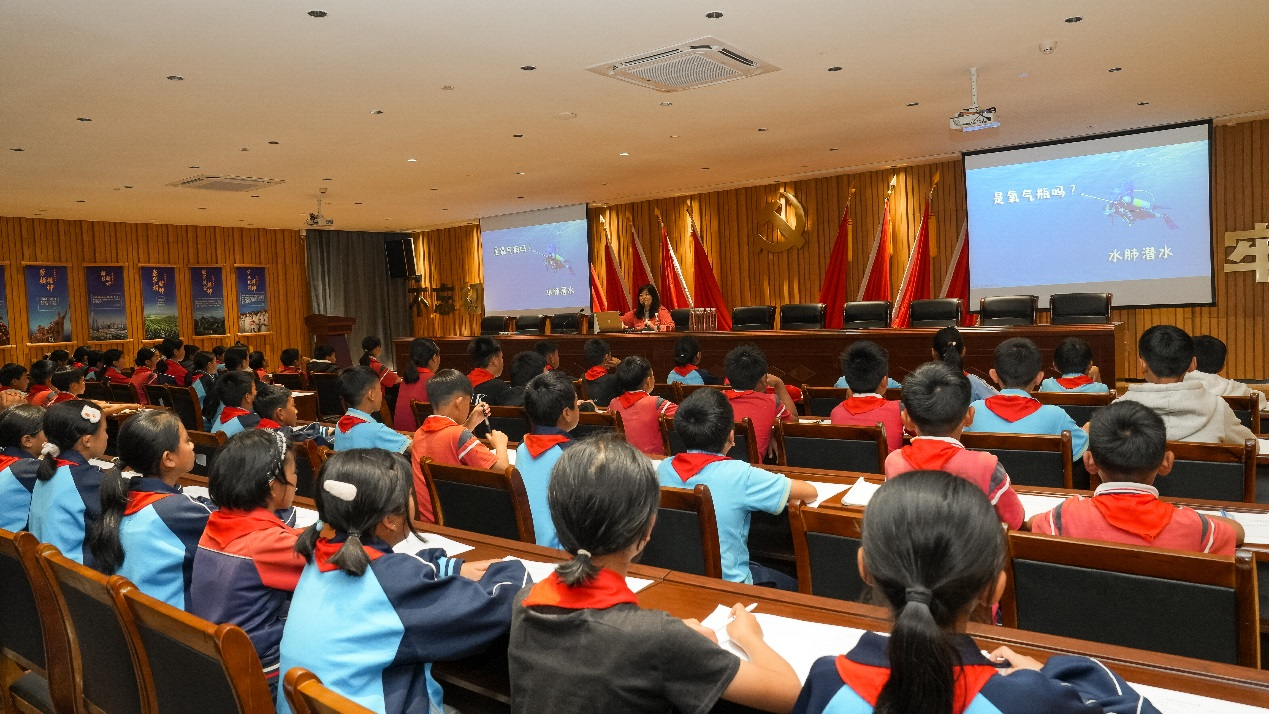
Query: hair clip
x=342 y=490
x=50 y=449
x=91 y=414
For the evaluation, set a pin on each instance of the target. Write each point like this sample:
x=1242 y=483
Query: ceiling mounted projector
x=317 y=220
x=973 y=118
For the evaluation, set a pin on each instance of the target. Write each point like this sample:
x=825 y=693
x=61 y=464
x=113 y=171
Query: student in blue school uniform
x=370 y=622
x=1073 y=357
x=21 y=438
x=66 y=500
x=687 y=358
x=949 y=348
x=932 y=578
x=705 y=421
x=246 y=566
x=1014 y=411
x=362 y=391
x=551 y=403
x=199 y=376
x=149 y=529
x=580 y=643
x=235 y=392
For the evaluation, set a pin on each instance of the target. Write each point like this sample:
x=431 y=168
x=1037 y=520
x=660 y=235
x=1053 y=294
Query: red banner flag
x=617 y=293
x=673 y=288
x=642 y=269
x=833 y=293
x=916 y=277
x=956 y=284
x=877 y=275
x=708 y=293
x=597 y=302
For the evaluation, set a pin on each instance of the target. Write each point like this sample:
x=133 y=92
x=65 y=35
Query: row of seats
x=1065 y=309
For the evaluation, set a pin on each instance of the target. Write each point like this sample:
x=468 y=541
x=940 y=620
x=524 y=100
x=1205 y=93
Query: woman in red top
x=425 y=359
x=372 y=347
x=649 y=315
x=144 y=373
x=111 y=360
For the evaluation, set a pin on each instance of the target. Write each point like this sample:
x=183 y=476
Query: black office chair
x=330 y=405
x=682 y=317
x=97 y=391
x=567 y=323
x=939 y=312
x=865 y=315
x=21 y=629
x=753 y=318
x=1040 y=460
x=1007 y=310
x=746 y=440
x=821 y=401
x=481 y=500
x=1080 y=406
x=529 y=325
x=493 y=324
x=838 y=447
x=685 y=537
x=826 y=542
x=1079 y=308
x=290 y=380
x=802 y=316
x=512 y=421
x=1208 y=472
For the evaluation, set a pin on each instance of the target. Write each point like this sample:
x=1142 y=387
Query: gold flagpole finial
x=893 y=180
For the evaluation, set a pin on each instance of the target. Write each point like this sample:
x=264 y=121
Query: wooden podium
x=332 y=330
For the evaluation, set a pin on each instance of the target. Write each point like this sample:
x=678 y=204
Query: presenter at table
x=649 y=315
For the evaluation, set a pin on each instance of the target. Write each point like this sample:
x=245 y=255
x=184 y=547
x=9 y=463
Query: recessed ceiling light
x=176 y=77
x=194 y=167
x=624 y=153
x=1115 y=69
x=80 y=201
x=328 y=179
x=117 y=188
x=704 y=168
x=273 y=142
x=356 y=203
x=566 y=115
x=317 y=13
x=1073 y=20
x=834 y=68
x=83 y=119
x=519 y=173
x=519 y=196
x=833 y=149
x=1142 y=104
x=674 y=136
x=127 y=187
x=16 y=148
x=1024 y=75
x=448 y=88
x=202 y=208
x=255 y=195
x=713 y=15
x=762 y=128
x=444 y=209
x=244 y=149
x=517 y=136
x=376 y=111
x=436 y=189
x=913 y=104
x=667 y=104
x=528 y=68
x=242 y=220
x=411 y=161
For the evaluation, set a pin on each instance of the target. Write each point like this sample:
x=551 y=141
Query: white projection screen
x=536 y=262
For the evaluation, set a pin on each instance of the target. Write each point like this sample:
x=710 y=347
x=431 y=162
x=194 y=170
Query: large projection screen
x=536 y=262
x=1128 y=214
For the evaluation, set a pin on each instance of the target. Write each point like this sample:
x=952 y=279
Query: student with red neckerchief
x=372 y=348
x=40 y=392
x=599 y=381
x=235 y=392
x=756 y=394
x=357 y=429
x=487 y=365
x=687 y=358
x=425 y=360
x=111 y=360
x=865 y=366
x=580 y=643
x=144 y=374
x=640 y=411
x=1073 y=357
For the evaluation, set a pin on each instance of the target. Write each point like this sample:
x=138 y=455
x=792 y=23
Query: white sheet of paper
x=860 y=493
x=1255 y=525
x=196 y=491
x=1168 y=701
x=539 y=571
x=413 y=544
x=511 y=457
x=1264 y=446
x=1033 y=505
x=304 y=517
x=102 y=464
x=799 y=642
x=825 y=491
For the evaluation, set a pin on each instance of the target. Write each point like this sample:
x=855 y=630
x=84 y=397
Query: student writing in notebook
x=580 y=643
x=932 y=552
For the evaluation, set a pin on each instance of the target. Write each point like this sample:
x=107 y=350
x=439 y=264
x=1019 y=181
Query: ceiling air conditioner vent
x=225 y=183
x=698 y=63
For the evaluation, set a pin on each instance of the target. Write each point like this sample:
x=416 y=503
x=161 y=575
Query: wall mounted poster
x=158 y=301
x=207 y=287
x=107 y=303
x=5 y=339
x=48 y=303
x=253 y=300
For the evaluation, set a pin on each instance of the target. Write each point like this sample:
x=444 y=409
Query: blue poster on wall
x=253 y=300
x=158 y=302
x=5 y=339
x=207 y=293
x=107 y=302
x=48 y=304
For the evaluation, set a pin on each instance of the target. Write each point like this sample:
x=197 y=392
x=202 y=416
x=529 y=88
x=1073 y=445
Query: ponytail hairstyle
x=256 y=360
x=143 y=440
x=19 y=421
x=603 y=497
x=145 y=354
x=109 y=357
x=950 y=346
x=202 y=362
x=369 y=344
x=356 y=490
x=65 y=423
x=929 y=577
x=242 y=476
x=422 y=350
x=80 y=355
x=42 y=371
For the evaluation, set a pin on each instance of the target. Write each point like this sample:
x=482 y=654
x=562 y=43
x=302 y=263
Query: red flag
x=642 y=269
x=916 y=277
x=617 y=292
x=597 y=303
x=673 y=288
x=708 y=294
x=833 y=293
x=877 y=275
x=956 y=284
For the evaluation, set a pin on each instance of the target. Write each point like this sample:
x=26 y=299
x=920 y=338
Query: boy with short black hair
x=866 y=366
x=289 y=360
x=551 y=402
x=1190 y=412
x=640 y=411
x=219 y=353
x=1018 y=369
x=357 y=429
x=445 y=439
x=705 y=422
x=746 y=367
x=236 y=392
x=1209 y=360
x=1073 y=357
x=601 y=384
x=275 y=405
x=550 y=352
x=321 y=362
x=524 y=367
x=487 y=363
x=1128 y=449
x=936 y=408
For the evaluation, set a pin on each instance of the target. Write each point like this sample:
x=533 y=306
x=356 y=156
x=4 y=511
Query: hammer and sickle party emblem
x=794 y=234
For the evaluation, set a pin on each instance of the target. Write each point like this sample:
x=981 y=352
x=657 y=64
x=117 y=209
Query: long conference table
x=799 y=356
